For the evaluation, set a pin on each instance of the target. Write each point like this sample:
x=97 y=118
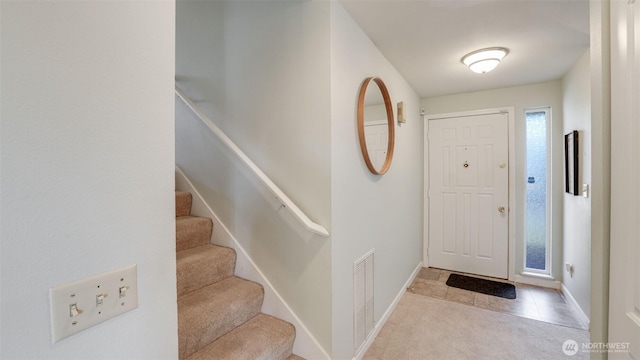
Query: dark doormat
x=483 y=286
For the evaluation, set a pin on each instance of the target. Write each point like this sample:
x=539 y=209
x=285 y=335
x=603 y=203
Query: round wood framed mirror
x=376 y=126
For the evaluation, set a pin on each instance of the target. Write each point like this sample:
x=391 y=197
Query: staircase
x=219 y=313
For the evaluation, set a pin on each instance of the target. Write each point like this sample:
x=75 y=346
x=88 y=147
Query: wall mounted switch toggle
x=100 y=299
x=74 y=311
x=81 y=304
x=123 y=291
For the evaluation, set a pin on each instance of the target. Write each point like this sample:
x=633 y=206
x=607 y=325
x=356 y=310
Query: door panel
x=624 y=289
x=469 y=177
x=467 y=186
x=485 y=226
x=449 y=223
x=377 y=137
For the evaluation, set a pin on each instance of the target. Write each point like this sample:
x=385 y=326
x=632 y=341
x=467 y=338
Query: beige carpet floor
x=427 y=328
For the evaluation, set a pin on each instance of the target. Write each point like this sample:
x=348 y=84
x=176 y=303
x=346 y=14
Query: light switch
x=81 y=304
x=100 y=299
x=73 y=310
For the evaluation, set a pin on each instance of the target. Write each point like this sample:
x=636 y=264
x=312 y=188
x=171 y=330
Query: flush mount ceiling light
x=484 y=60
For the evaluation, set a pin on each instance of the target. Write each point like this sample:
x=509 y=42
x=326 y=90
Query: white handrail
x=275 y=190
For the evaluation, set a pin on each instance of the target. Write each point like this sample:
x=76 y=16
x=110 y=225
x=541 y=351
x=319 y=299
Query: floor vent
x=362 y=300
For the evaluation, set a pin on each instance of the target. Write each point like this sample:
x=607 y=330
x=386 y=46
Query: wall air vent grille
x=362 y=300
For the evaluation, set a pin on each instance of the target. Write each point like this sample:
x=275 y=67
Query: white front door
x=376 y=134
x=469 y=194
x=624 y=290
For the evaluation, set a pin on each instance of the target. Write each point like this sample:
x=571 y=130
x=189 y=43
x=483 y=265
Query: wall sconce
x=484 y=60
x=401 y=117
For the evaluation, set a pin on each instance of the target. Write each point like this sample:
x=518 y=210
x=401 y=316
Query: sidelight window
x=537 y=220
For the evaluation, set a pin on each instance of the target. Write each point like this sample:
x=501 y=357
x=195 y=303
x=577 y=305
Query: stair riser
x=192 y=232
x=183 y=203
x=202 y=266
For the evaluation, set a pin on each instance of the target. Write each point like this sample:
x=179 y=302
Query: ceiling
x=425 y=39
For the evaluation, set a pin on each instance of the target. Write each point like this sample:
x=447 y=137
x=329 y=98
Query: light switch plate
x=84 y=303
x=585 y=190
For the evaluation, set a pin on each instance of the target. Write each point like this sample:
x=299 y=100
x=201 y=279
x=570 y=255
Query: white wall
x=87 y=171
x=576 y=101
x=261 y=71
x=521 y=97
x=369 y=211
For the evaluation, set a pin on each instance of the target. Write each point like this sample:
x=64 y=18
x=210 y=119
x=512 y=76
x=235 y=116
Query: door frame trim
x=510 y=111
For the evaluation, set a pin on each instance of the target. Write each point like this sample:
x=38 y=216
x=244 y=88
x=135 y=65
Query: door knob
x=501 y=209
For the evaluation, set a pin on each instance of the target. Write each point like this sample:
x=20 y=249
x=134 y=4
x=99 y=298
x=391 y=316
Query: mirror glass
x=375 y=125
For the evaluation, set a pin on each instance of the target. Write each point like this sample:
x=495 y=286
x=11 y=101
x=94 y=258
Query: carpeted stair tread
x=183 y=203
x=203 y=265
x=192 y=231
x=262 y=338
x=210 y=312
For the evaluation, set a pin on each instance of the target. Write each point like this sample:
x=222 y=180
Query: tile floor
x=531 y=302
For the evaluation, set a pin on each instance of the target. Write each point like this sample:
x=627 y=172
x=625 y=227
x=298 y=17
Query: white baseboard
x=305 y=344
x=543 y=281
x=387 y=314
x=576 y=306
